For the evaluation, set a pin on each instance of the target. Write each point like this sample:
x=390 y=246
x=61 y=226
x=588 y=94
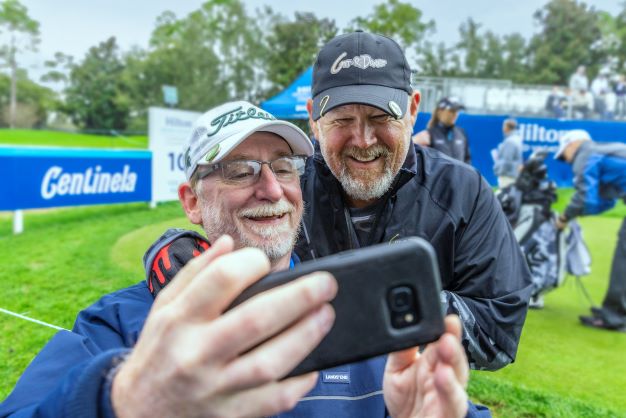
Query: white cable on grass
x=36 y=321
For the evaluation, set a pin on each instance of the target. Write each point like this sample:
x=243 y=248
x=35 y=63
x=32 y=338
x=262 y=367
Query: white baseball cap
x=568 y=138
x=217 y=132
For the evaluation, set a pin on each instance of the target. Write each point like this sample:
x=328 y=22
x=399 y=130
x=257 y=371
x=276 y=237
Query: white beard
x=275 y=241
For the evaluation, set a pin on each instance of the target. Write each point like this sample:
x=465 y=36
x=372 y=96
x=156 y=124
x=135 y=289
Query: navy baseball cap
x=452 y=103
x=361 y=68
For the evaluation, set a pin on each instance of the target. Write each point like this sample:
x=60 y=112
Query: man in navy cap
x=368 y=184
x=443 y=134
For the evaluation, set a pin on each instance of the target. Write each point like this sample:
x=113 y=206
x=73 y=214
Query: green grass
x=69 y=139
x=59 y=265
x=67 y=258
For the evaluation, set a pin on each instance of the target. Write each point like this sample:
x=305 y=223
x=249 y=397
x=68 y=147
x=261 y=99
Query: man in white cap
x=600 y=179
x=191 y=360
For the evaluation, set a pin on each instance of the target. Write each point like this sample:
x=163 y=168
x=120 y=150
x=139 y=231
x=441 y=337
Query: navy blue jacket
x=484 y=276
x=451 y=140
x=70 y=377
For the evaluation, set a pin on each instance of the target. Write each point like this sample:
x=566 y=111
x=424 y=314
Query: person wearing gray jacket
x=599 y=179
x=508 y=157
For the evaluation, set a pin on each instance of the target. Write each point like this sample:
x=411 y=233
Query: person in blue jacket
x=600 y=179
x=164 y=347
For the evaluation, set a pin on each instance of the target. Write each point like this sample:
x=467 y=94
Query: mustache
x=281 y=207
x=375 y=151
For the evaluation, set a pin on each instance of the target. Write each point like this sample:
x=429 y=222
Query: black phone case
x=363 y=326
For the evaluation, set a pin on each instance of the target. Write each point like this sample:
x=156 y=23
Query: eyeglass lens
x=248 y=171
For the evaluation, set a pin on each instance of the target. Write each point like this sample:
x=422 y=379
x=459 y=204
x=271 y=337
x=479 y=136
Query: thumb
x=400 y=360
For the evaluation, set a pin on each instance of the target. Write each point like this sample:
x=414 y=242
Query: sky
x=73 y=26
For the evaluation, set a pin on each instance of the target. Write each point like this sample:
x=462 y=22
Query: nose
x=268 y=187
x=364 y=134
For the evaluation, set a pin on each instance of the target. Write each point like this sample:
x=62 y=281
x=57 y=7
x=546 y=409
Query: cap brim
x=387 y=99
x=297 y=140
x=451 y=107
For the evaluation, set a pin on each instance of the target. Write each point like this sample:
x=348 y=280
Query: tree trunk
x=13 y=103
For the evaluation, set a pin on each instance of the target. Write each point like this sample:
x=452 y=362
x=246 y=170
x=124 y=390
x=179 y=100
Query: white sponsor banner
x=168 y=130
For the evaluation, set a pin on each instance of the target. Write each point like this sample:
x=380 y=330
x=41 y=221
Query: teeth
x=365 y=159
x=277 y=209
x=278 y=215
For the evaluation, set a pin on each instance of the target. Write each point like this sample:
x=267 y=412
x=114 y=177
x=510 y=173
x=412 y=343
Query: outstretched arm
x=194 y=360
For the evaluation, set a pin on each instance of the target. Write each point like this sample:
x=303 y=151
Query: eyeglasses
x=247 y=172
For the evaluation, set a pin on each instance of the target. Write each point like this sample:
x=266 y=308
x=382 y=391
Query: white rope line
x=341 y=398
x=36 y=321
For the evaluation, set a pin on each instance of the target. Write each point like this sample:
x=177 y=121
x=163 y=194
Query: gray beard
x=363 y=189
x=271 y=240
x=360 y=190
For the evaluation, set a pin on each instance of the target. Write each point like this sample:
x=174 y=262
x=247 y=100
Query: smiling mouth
x=365 y=159
x=265 y=218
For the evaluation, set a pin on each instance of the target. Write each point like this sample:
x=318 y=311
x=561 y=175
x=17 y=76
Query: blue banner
x=52 y=177
x=485 y=133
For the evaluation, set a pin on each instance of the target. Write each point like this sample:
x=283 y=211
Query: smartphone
x=387 y=300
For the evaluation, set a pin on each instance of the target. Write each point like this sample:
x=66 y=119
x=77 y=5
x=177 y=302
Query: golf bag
x=527 y=205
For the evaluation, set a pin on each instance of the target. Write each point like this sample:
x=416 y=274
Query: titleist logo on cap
x=363 y=62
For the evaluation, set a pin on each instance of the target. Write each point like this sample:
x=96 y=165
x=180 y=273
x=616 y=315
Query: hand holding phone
x=388 y=300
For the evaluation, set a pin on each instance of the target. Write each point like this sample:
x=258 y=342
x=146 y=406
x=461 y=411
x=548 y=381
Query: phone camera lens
x=401 y=298
x=402 y=306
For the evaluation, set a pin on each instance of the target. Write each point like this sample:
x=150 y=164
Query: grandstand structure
x=502 y=97
x=485 y=96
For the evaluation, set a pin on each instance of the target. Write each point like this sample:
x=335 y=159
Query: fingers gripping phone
x=387 y=300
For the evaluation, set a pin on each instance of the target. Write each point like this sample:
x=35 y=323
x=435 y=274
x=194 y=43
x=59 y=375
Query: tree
x=32 y=108
x=492 y=56
x=23 y=34
x=181 y=54
x=399 y=21
x=438 y=60
x=515 y=53
x=569 y=37
x=212 y=55
x=293 y=46
x=95 y=97
x=237 y=40
x=59 y=68
x=472 y=46
x=614 y=31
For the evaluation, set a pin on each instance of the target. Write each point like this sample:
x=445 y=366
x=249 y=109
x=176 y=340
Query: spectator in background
x=620 y=97
x=578 y=81
x=600 y=179
x=508 y=157
x=442 y=133
x=582 y=102
x=556 y=102
x=599 y=88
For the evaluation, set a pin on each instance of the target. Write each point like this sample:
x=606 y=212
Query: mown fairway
x=68 y=139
